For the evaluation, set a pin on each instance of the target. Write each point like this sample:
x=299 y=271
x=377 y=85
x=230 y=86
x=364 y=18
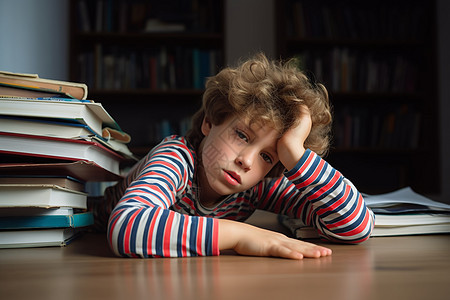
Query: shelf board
x=374 y=151
x=150 y=92
x=370 y=96
x=349 y=42
x=190 y=38
x=147 y=95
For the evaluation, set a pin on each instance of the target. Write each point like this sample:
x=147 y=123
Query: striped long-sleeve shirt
x=159 y=215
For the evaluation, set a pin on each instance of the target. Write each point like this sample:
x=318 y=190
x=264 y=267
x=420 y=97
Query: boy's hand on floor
x=246 y=239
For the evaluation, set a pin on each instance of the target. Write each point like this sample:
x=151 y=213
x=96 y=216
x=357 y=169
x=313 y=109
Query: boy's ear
x=206 y=126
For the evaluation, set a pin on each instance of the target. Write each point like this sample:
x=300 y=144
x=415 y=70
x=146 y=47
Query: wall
x=443 y=10
x=34 y=37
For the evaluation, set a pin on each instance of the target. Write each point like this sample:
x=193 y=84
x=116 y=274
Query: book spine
x=361 y=71
x=397 y=128
x=161 y=68
x=134 y=16
x=340 y=20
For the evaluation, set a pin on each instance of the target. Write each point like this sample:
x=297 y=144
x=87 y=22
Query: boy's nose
x=245 y=160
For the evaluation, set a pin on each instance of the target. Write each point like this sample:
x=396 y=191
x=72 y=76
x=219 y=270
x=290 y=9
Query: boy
x=254 y=144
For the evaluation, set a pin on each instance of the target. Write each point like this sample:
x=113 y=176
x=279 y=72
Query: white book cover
x=59 y=148
x=37 y=237
x=40 y=195
x=89 y=113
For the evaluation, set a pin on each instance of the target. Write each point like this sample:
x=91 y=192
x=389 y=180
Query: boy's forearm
x=228 y=234
x=289 y=157
x=340 y=207
x=137 y=230
x=291 y=146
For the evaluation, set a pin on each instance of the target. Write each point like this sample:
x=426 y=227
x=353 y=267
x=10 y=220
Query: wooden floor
x=382 y=268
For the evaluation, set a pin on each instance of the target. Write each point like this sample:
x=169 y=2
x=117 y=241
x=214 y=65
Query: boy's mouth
x=232 y=177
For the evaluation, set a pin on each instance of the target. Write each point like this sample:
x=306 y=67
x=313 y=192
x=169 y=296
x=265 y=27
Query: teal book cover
x=47 y=221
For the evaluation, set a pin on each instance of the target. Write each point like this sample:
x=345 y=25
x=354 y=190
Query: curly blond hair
x=269 y=92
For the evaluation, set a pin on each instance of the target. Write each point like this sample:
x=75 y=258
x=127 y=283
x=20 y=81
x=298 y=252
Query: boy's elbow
x=355 y=233
x=355 y=236
x=345 y=239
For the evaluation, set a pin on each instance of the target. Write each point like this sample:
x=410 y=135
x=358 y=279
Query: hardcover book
x=59 y=148
x=33 y=81
x=40 y=195
x=62 y=181
x=37 y=237
x=36 y=220
x=82 y=170
x=89 y=113
x=69 y=130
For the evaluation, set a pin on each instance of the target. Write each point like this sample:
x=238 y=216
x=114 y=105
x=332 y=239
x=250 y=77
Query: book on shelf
x=38 y=237
x=34 y=83
x=89 y=113
x=402 y=212
x=342 y=20
x=41 y=220
x=141 y=16
x=159 y=68
x=60 y=149
x=160 y=129
x=155 y=25
x=344 y=70
x=40 y=195
x=396 y=128
x=62 y=181
x=82 y=170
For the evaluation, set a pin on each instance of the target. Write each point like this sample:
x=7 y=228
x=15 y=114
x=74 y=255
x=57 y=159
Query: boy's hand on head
x=246 y=239
x=290 y=146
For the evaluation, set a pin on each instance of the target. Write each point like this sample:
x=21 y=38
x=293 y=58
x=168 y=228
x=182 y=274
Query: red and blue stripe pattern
x=329 y=201
x=158 y=214
x=142 y=225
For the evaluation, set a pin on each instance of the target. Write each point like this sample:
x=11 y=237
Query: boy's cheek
x=214 y=154
x=211 y=153
x=230 y=139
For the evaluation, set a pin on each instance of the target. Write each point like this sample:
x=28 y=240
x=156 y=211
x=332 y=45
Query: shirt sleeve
x=320 y=196
x=141 y=224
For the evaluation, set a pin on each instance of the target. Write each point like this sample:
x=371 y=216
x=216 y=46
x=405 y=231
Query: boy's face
x=236 y=155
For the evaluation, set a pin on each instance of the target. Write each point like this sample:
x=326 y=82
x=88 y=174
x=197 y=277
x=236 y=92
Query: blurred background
x=385 y=64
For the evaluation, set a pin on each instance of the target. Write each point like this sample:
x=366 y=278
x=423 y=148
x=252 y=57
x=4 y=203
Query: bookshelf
x=146 y=61
x=378 y=61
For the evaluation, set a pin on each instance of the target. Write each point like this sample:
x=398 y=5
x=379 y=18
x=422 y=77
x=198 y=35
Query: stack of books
x=52 y=142
x=405 y=212
x=402 y=212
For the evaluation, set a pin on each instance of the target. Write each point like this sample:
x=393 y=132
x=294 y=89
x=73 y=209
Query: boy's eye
x=266 y=158
x=241 y=135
